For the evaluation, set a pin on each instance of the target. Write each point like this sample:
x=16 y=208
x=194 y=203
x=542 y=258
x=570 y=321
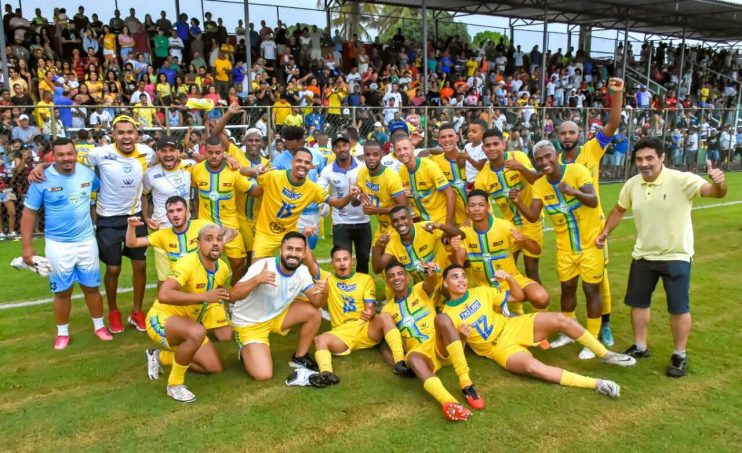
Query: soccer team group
x=450 y=225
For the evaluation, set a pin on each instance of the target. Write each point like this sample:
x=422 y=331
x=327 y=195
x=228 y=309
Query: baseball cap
x=377 y=124
x=395 y=126
x=164 y=141
x=340 y=137
x=23 y=117
x=373 y=86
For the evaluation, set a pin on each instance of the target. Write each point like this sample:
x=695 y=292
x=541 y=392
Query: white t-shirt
x=336 y=181
x=164 y=184
x=269 y=49
x=476 y=153
x=518 y=58
x=120 y=178
x=266 y=302
x=353 y=79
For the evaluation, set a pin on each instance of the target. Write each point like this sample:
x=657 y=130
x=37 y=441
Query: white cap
x=23 y=117
x=377 y=124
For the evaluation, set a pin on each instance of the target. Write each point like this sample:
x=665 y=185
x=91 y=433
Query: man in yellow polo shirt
x=222 y=73
x=281 y=110
x=661 y=200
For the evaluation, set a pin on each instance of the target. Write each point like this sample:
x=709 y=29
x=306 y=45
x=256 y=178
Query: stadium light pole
x=545 y=42
x=425 y=47
x=4 y=54
x=248 y=48
x=682 y=60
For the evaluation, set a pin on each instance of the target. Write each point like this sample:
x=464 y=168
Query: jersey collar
x=352 y=274
x=336 y=168
x=278 y=269
x=459 y=301
x=658 y=180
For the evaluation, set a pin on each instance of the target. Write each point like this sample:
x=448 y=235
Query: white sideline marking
x=321 y=261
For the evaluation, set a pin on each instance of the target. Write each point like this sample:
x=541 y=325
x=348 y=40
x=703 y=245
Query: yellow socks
x=458 y=360
x=591 y=342
x=177 y=374
x=434 y=386
x=593 y=326
x=569 y=314
x=394 y=341
x=516 y=308
x=539 y=310
x=166 y=357
x=576 y=380
x=324 y=360
x=605 y=294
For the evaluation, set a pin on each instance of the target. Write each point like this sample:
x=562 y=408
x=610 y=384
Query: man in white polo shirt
x=661 y=200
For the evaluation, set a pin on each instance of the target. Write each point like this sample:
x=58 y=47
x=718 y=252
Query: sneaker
x=473 y=398
x=456 y=412
x=137 y=319
x=154 y=368
x=586 y=354
x=636 y=353
x=325 y=314
x=13 y=236
x=300 y=377
x=303 y=362
x=608 y=388
x=114 y=322
x=561 y=340
x=606 y=335
x=180 y=393
x=2 y=236
x=401 y=369
x=323 y=379
x=615 y=358
x=103 y=334
x=61 y=342
x=677 y=366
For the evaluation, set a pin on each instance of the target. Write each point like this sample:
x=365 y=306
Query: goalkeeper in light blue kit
x=71 y=248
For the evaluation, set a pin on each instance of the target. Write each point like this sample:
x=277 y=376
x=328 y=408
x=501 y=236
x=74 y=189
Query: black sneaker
x=303 y=362
x=677 y=365
x=636 y=353
x=401 y=369
x=321 y=380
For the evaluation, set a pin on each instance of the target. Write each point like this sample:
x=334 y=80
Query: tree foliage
x=410 y=21
x=483 y=36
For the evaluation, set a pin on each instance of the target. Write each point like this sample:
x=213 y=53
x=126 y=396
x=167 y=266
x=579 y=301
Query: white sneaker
x=561 y=340
x=300 y=377
x=181 y=393
x=154 y=368
x=586 y=354
x=608 y=388
x=325 y=314
x=615 y=358
x=2 y=236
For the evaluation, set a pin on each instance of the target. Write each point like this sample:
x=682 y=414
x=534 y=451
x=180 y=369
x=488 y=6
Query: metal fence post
x=167 y=120
x=428 y=129
x=353 y=111
x=270 y=132
x=629 y=154
x=53 y=119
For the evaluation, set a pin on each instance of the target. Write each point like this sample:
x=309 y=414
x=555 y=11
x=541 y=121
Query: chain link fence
x=21 y=148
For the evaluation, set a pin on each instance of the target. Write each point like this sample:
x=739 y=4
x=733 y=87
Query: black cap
x=166 y=140
x=340 y=137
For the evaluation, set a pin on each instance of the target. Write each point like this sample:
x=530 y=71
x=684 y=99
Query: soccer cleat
x=586 y=354
x=300 y=377
x=137 y=319
x=456 y=412
x=114 y=322
x=608 y=388
x=61 y=342
x=637 y=353
x=181 y=393
x=303 y=362
x=154 y=368
x=473 y=398
x=103 y=334
x=401 y=369
x=323 y=379
x=615 y=358
x=606 y=335
x=677 y=366
x=561 y=340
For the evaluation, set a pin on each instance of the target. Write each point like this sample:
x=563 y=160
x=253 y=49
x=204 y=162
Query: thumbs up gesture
x=716 y=175
x=266 y=277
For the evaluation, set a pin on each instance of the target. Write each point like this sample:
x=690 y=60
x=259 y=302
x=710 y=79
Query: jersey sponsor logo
x=173 y=245
x=85 y=184
x=227 y=184
x=337 y=182
x=373 y=187
x=200 y=285
x=549 y=197
x=290 y=194
x=159 y=175
x=276 y=228
x=128 y=168
x=513 y=177
x=346 y=287
x=202 y=183
x=128 y=182
x=470 y=310
x=110 y=157
x=56 y=189
x=498 y=243
x=423 y=248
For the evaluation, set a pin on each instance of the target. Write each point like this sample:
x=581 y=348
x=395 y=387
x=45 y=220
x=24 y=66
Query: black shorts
x=111 y=233
x=643 y=277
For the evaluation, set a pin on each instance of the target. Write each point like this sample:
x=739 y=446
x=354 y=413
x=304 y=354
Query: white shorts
x=309 y=220
x=109 y=52
x=315 y=54
x=73 y=262
x=7 y=195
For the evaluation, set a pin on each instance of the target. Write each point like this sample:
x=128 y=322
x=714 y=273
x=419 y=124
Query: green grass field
x=95 y=396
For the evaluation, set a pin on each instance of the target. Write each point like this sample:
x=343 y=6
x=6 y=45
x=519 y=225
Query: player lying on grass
x=351 y=301
x=191 y=293
x=506 y=340
x=431 y=341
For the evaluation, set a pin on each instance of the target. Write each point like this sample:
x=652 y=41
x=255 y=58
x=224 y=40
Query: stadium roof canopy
x=705 y=20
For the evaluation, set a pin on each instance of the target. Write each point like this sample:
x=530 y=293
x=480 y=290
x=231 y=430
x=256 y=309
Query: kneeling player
x=193 y=288
x=353 y=328
x=266 y=304
x=506 y=340
x=430 y=340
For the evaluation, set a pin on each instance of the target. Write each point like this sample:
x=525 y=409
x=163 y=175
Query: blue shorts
x=643 y=277
x=73 y=262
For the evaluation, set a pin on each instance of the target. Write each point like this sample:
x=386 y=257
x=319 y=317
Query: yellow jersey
x=456 y=177
x=248 y=206
x=381 y=190
x=425 y=247
x=576 y=225
x=193 y=278
x=347 y=296
x=497 y=182
x=489 y=251
x=216 y=193
x=425 y=184
x=414 y=316
x=283 y=201
x=83 y=153
x=178 y=245
x=327 y=153
x=477 y=309
x=589 y=155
